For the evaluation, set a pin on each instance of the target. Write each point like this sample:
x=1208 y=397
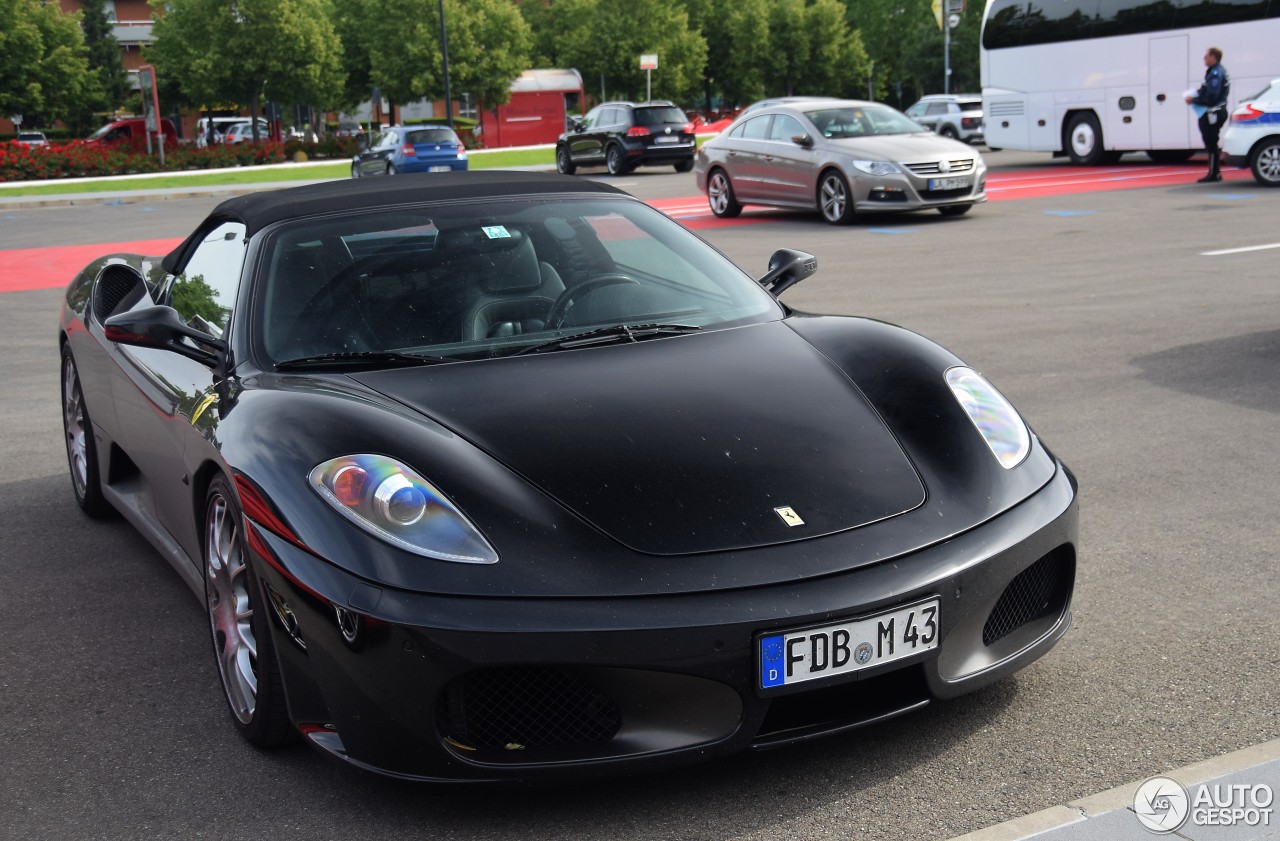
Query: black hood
x=680 y=445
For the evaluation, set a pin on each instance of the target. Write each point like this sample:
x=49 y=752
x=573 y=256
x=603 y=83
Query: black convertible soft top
x=258 y=210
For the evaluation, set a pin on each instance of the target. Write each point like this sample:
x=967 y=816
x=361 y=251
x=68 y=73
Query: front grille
x=940 y=195
x=958 y=166
x=525 y=706
x=1038 y=591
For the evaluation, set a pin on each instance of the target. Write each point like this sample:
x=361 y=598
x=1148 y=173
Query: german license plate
x=948 y=183
x=826 y=651
x=441 y=168
x=667 y=138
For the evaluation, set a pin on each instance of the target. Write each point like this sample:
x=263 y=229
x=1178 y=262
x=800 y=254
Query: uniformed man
x=1213 y=96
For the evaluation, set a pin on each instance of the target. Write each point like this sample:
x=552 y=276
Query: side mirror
x=803 y=140
x=787 y=267
x=163 y=329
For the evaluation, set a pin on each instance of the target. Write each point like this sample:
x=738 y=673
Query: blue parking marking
x=771 y=666
x=891 y=230
x=1069 y=212
x=1233 y=196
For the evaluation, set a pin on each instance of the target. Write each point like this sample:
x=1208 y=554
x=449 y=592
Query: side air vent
x=118 y=288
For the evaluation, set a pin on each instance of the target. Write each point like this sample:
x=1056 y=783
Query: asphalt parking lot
x=1146 y=365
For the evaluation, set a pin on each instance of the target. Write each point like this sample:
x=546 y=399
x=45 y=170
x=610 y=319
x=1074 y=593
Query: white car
x=1252 y=137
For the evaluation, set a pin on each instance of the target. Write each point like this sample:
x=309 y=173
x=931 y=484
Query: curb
x=1121 y=797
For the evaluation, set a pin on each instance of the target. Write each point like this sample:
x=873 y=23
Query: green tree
x=737 y=34
x=44 y=67
x=399 y=43
x=104 y=60
x=635 y=27
x=247 y=50
x=905 y=45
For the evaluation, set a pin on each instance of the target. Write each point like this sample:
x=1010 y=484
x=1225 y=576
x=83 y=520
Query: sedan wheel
x=1266 y=163
x=720 y=195
x=391 y=169
x=834 y=199
x=82 y=453
x=241 y=638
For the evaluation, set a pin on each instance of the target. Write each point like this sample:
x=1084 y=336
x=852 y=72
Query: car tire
x=1169 y=156
x=955 y=209
x=564 y=163
x=720 y=195
x=82 y=450
x=685 y=166
x=1083 y=140
x=1264 y=160
x=391 y=169
x=949 y=132
x=615 y=161
x=239 y=625
x=835 y=200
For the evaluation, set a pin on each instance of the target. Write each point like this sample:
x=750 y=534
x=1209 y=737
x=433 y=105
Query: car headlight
x=876 y=167
x=392 y=502
x=1001 y=426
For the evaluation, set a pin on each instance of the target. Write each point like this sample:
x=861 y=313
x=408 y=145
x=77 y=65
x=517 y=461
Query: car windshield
x=27 y=135
x=660 y=116
x=432 y=135
x=478 y=280
x=861 y=121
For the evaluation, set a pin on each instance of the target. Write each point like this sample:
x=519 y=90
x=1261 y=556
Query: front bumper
x=448 y=688
x=918 y=187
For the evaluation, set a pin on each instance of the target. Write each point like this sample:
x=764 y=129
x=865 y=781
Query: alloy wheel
x=834 y=198
x=230 y=612
x=73 y=415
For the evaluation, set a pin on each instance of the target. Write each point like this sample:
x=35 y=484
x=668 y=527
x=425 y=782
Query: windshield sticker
x=496 y=232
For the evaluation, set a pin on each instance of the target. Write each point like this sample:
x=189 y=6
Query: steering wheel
x=555 y=317
x=348 y=321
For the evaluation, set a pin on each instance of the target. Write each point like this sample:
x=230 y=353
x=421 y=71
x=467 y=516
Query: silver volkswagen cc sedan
x=839 y=157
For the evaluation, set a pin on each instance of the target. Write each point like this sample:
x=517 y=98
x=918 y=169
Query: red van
x=130 y=131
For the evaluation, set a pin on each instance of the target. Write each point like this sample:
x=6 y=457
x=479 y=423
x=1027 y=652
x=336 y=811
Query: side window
x=610 y=117
x=592 y=118
x=205 y=292
x=937 y=108
x=784 y=128
x=916 y=110
x=757 y=128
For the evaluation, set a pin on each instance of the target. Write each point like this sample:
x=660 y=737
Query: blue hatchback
x=411 y=149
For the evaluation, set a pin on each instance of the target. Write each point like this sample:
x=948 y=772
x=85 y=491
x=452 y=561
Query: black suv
x=625 y=135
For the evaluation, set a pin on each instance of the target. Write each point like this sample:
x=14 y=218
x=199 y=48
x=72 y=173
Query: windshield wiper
x=363 y=357
x=616 y=334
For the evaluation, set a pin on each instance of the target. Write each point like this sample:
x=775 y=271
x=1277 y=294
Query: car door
x=744 y=158
x=164 y=400
x=373 y=160
x=787 y=167
x=584 y=148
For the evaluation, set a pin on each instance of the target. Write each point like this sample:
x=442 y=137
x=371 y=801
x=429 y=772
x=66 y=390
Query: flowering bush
x=78 y=160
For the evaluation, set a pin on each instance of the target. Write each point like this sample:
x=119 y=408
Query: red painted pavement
x=46 y=268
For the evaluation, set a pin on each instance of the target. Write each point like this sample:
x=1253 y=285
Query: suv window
x=610 y=117
x=971 y=105
x=661 y=115
x=937 y=108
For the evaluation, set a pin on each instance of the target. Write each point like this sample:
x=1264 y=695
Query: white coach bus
x=1092 y=79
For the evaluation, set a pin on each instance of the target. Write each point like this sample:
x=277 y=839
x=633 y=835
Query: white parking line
x=1239 y=250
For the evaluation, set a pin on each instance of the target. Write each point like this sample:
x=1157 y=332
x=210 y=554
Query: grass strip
x=496 y=159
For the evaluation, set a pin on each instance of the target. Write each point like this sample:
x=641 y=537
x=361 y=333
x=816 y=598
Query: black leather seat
x=513 y=290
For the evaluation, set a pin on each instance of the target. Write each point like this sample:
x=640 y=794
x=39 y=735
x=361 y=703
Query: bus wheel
x=1084 y=139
